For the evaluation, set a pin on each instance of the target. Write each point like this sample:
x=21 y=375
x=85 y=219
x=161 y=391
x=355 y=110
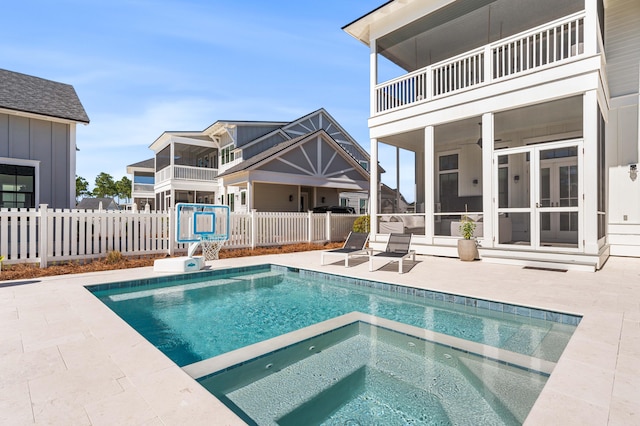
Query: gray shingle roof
x=147 y=164
x=94 y=203
x=26 y=93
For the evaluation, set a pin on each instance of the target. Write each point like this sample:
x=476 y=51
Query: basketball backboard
x=197 y=222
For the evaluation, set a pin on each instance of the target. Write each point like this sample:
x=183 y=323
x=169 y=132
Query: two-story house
x=521 y=115
x=38 y=121
x=263 y=165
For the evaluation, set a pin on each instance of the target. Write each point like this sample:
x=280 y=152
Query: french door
x=539 y=203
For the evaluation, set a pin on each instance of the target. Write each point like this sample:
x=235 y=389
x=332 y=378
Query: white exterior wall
x=622 y=41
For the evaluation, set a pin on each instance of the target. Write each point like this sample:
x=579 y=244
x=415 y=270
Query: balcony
x=187 y=173
x=549 y=45
x=142 y=189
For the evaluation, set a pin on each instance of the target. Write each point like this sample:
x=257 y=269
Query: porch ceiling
x=465 y=25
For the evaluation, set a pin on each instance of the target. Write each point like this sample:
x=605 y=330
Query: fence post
x=310 y=226
x=328 y=226
x=42 y=235
x=252 y=228
x=172 y=232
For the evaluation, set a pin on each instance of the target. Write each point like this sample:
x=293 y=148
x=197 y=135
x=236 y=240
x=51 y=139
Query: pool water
x=197 y=319
x=365 y=374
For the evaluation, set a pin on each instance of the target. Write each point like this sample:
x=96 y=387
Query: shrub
x=113 y=257
x=362 y=224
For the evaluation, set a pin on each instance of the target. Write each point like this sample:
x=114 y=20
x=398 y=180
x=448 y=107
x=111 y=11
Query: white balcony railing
x=200 y=174
x=549 y=44
x=143 y=187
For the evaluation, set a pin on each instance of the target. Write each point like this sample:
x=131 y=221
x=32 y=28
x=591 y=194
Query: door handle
x=537 y=205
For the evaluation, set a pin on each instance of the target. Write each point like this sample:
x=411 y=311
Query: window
x=227 y=155
x=231 y=201
x=17 y=186
x=448 y=181
x=344 y=202
x=145 y=178
x=364 y=164
x=363 y=206
x=243 y=198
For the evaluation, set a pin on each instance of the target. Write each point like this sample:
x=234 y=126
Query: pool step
x=275 y=396
x=510 y=391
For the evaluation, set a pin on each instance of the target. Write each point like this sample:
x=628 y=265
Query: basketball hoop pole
x=192 y=248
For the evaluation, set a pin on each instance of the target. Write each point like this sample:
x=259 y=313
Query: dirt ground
x=115 y=261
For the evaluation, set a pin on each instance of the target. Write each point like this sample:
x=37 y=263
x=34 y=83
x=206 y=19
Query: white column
x=398 y=181
x=373 y=77
x=488 y=196
x=589 y=226
x=591 y=27
x=249 y=195
x=429 y=201
x=374 y=188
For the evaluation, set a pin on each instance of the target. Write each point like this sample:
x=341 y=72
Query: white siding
x=622 y=46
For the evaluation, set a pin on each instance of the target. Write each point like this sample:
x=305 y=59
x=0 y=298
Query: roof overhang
x=36 y=116
x=404 y=11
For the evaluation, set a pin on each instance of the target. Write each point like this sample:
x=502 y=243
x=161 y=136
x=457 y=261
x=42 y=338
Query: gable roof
x=145 y=164
x=26 y=93
x=268 y=153
x=94 y=204
x=275 y=151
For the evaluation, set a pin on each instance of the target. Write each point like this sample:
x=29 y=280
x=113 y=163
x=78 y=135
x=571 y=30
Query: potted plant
x=467 y=247
x=1 y=260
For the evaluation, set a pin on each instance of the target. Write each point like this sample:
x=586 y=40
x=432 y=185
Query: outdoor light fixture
x=516 y=178
x=633 y=172
x=479 y=143
x=475 y=182
x=290 y=197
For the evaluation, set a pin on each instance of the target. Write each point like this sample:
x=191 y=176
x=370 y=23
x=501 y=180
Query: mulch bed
x=26 y=271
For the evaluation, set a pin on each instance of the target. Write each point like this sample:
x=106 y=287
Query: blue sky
x=141 y=67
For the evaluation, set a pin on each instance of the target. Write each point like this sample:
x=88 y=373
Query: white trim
x=40 y=116
x=72 y=166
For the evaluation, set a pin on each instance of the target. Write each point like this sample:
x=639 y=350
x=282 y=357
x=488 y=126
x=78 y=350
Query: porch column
x=488 y=197
x=374 y=188
x=373 y=77
x=429 y=201
x=249 y=196
x=589 y=172
x=591 y=27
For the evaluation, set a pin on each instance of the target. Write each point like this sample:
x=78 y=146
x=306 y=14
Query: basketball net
x=210 y=247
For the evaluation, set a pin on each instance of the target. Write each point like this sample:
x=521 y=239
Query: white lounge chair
x=355 y=245
x=398 y=249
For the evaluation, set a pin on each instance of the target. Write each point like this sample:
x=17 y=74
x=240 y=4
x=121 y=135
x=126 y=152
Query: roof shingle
x=26 y=93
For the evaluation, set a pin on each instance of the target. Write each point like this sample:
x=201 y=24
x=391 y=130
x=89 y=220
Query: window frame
x=36 y=175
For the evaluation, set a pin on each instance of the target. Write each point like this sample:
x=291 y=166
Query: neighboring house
x=142 y=181
x=98 y=203
x=521 y=114
x=267 y=166
x=38 y=120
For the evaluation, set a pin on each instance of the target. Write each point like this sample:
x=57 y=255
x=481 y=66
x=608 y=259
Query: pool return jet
x=199 y=225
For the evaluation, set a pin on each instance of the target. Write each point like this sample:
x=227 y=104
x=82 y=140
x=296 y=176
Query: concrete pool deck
x=66 y=359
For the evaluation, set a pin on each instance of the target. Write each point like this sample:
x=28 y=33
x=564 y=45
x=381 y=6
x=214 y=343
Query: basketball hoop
x=210 y=246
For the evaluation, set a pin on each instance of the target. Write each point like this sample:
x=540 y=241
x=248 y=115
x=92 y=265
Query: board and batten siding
x=622 y=46
x=24 y=138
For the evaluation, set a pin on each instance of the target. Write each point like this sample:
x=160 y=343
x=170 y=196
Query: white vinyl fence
x=46 y=235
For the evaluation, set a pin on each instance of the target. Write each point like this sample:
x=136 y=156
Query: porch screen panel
x=514 y=201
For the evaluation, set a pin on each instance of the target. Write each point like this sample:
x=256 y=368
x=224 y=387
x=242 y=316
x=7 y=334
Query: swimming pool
x=199 y=317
